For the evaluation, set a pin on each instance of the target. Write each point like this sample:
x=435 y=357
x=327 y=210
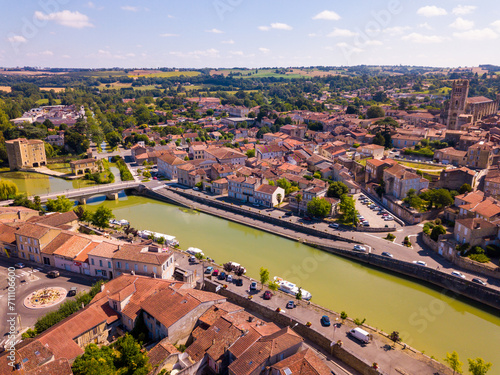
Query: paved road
x=375 y=241
x=29 y=279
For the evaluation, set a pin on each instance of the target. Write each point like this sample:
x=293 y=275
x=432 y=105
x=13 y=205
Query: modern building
x=25 y=153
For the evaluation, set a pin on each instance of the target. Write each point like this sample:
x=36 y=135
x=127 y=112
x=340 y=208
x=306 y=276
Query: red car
x=215 y=273
x=267 y=294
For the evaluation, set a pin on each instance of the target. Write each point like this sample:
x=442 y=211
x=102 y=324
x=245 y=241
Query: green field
x=266 y=73
x=420 y=166
x=46 y=101
x=187 y=73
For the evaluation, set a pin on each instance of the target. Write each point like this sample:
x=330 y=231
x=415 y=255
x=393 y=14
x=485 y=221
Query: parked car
x=239 y=282
x=290 y=305
x=420 y=263
x=366 y=224
x=72 y=291
x=388 y=218
x=377 y=208
x=478 y=281
x=267 y=294
x=215 y=273
x=192 y=259
x=333 y=225
x=209 y=270
x=289 y=213
x=19 y=265
x=253 y=285
x=325 y=321
x=229 y=278
x=53 y=274
x=307 y=218
x=458 y=274
x=222 y=276
x=196 y=188
x=359 y=248
x=387 y=254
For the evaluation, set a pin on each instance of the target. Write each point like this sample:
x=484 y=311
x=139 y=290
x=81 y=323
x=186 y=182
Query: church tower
x=458 y=101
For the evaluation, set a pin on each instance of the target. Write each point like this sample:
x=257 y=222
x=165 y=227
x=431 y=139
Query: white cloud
x=461 y=24
x=168 y=35
x=423 y=39
x=66 y=56
x=130 y=54
x=396 y=30
x=67 y=18
x=313 y=35
x=341 y=32
x=17 y=39
x=425 y=25
x=214 y=31
x=496 y=25
x=344 y=46
x=477 y=34
x=230 y=41
x=91 y=5
x=373 y=43
x=264 y=50
x=328 y=15
x=431 y=11
x=276 y=26
x=211 y=52
x=237 y=53
x=47 y=53
x=130 y=8
x=461 y=10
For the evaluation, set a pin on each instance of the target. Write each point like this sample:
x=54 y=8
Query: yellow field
x=56 y=89
x=5 y=88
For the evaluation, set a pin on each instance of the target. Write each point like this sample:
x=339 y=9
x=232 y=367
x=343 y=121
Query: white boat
x=169 y=240
x=194 y=251
x=291 y=288
x=123 y=222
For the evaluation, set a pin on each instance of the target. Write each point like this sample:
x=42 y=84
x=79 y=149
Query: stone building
x=25 y=153
x=83 y=166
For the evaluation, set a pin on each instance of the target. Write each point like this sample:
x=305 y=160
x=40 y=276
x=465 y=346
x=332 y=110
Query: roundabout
x=46 y=297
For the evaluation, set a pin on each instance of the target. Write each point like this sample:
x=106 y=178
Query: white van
x=360 y=334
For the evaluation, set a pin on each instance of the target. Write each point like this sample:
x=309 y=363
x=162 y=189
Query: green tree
x=264 y=275
x=273 y=285
x=95 y=361
x=251 y=153
x=101 y=217
x=436 y=231
x=347 y=207
x=465 y=188
x=285 y=185
x=394 y=336
x=379 y=139
x=319 y=207
x=478 y=366
x=375 y=111
x=441 y=198
x=113 y=139
x=343 y=316
x=337 y=189
x=60 y=204
x=131 y=360
x=8 y=189
x=453 y=361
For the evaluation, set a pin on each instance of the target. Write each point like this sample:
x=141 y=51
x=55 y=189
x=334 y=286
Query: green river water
x=428 y=318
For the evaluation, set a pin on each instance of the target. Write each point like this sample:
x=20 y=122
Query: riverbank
x=330 y=243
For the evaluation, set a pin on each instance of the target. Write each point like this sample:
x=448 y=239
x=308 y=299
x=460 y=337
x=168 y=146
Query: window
x=29 y=240
x=100 y=262
x=22 y=247
x=92 y=261
x=20 y=238
x=118 y=265
x=145 y=268
x=126 y=266
x=154 y=269
x=136 y=267
x=109 y=264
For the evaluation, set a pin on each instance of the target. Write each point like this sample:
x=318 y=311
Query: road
x=28 y=280
x=374 y=240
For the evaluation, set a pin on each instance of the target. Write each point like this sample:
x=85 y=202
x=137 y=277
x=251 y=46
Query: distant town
x=395 y=167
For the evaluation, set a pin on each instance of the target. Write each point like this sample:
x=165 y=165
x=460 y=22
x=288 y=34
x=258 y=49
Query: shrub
x=390 y=237
x=481 y=258
x=359 y=322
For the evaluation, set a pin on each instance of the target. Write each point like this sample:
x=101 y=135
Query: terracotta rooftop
x=160 y=352
x=302 y=363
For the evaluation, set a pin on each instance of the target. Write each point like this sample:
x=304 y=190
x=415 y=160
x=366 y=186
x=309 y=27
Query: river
x=429 y=319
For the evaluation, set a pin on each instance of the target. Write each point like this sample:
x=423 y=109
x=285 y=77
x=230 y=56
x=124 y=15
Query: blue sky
x=248 y=33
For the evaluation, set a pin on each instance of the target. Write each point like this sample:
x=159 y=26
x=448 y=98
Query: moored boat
x=291 y=288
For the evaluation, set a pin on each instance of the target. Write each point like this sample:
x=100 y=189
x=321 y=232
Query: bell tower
x=458 y=100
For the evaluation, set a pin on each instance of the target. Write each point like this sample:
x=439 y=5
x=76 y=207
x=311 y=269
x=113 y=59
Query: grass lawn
x=60 y=167
x=421 y=166
x=46 y=101
x=187 y=73
x=363 y=161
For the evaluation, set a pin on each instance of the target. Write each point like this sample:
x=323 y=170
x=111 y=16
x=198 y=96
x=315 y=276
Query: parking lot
x=371 y=215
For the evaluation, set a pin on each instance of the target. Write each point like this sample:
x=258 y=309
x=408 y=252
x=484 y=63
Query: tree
x=337 y=189
x=478 y=366
x=299 y=294
x=343 y=316
x=279 y=197
x=375 y=111
x=379 y=139
x=273 y=285
x=95 y=361
x=441 y=198
x=101 y=217
x=60 y=204
x=285 y=185
x=250 y=153
x=436 y=231
x=453 y=361
x=465 y=188
x=394 y=336
x=319 y=207
x=347 y=207
x=8 y=189
x=131 y=357
x=264 y=275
